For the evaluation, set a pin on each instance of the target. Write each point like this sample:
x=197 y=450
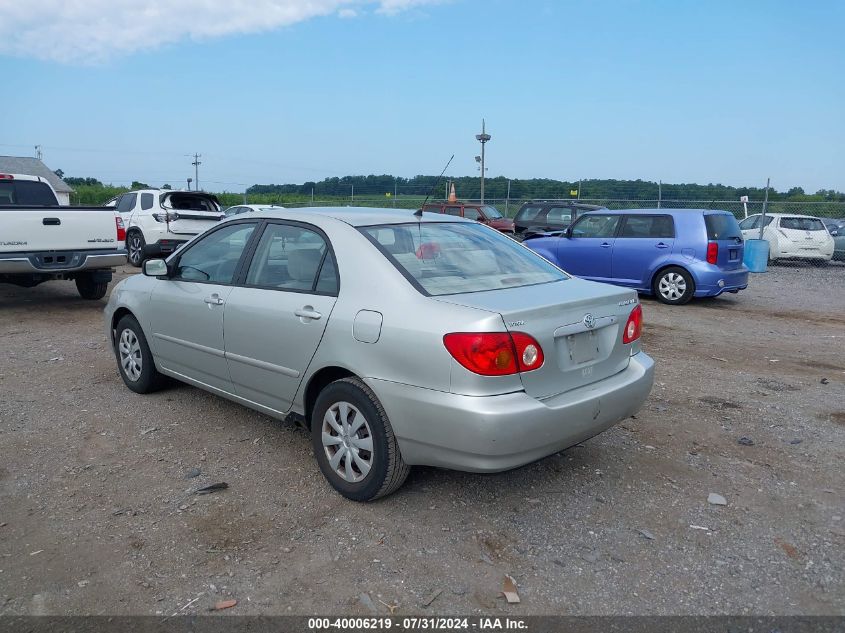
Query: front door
x=643 y=242
x=187 y=308
x=276 y=318
x=588 y=252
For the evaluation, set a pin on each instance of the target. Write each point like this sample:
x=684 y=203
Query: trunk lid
x=190 y=213
x=723 y=229
x=579 y=349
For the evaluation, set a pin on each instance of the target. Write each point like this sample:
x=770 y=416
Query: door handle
x=605 y=245
x=51 y=222
x=214 y=300
x=661 y=245
x=307 y=312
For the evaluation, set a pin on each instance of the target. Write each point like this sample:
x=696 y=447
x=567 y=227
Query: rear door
x=276 y=316
x=190 y=213
x=588 y=251
x=186 y=310
x=643 y=241
x=723 y=229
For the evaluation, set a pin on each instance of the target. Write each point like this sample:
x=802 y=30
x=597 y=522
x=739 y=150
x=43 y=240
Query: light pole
x=482 y=138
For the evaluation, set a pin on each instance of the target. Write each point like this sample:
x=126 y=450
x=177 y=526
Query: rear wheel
x=354 y=442
x=90 y=289
x=673 y=286
x=134 y=358
x=135 y=246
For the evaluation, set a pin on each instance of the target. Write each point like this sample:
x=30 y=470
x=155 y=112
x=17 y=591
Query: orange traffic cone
x=452 y=195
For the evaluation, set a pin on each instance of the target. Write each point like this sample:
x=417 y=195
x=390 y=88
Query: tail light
x=495 y=353
x=712 y=252
x=121 y=230
x=634 y=326
x=6 y=177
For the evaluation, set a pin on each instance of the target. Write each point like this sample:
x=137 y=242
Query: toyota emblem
x=589 y=321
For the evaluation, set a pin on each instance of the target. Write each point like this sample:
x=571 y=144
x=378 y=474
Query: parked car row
x=792 y=237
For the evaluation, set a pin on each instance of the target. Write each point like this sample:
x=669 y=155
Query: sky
x=281 y=91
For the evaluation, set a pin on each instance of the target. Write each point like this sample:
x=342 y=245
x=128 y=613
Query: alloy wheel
x=135 y=248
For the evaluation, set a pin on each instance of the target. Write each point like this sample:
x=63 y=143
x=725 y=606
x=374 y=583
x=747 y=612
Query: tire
x=673 y=286
x=140 y=375
x=350 y=398
x=135 y=247
x=90 y=289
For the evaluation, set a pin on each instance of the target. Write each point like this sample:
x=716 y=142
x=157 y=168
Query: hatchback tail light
x=634 y=326
x=495 y=353
x=121 y=230
x=712 y=252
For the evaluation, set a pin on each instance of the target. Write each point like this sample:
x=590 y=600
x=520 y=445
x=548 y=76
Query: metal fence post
x=508 y=199
x=765 y=204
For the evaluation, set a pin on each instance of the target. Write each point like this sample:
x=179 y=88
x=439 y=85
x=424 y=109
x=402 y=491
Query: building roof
x=33 y=167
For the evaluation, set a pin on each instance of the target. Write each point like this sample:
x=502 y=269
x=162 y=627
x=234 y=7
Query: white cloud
x=91 y=31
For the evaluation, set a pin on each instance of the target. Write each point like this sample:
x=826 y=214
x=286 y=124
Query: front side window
x=292 y=257
x=802 y=224
x=596 y=225
x=652 y=226
x=492 y=213
x=559 y=215
x=451 y=258
x=456 y=211
x=750 y=223
x=215 y=257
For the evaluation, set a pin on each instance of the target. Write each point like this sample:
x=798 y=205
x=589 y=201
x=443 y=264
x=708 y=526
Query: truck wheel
x=135 y=246
x=134 y=359
x=354 y=443
x=90 y=289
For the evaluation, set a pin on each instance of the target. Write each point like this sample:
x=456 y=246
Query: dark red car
x=483 y=213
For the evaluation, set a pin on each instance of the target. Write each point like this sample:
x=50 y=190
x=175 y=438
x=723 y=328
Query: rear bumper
x=163 y=248
x=60 y=262
x=712 y=283
x=496 y=433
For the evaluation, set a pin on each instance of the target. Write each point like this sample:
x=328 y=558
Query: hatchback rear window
x=722 y=226
x=802 y=224
x=451 y=258
x=528 y=213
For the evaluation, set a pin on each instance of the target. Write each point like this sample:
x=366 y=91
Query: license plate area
x=733 y=254
x=583 y=347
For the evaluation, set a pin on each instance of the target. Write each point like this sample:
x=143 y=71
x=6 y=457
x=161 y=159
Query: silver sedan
x=396 y=339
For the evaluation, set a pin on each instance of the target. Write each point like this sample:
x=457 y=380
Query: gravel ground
x=97 y=515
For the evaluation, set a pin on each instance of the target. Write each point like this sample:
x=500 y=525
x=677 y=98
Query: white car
x=790 y=236
x=158 y=221
x=246 y=208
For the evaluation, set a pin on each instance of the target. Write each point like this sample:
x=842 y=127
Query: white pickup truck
x=40 y=240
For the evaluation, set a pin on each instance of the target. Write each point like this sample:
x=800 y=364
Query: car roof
x=563 y=203
x=790 y=215
x=355 y=216
x=664 y=211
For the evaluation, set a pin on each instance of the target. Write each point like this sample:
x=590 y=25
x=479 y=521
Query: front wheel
x=354 y=442
x=134 y=359
x=673 y=286
x=90 y=289
x=135 y=246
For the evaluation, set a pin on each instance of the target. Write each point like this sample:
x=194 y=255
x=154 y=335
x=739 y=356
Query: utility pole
x=482 y=138
x=579 y=189
x=659 y=193
x=196 y=165
x=38 y=152
x=353 y=194
x=395 y=191
x=508 y=199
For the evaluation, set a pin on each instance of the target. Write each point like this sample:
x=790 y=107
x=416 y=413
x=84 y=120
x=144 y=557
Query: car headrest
x=302 y=263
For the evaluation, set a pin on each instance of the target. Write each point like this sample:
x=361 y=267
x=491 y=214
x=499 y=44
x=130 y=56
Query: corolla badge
x=589 y=321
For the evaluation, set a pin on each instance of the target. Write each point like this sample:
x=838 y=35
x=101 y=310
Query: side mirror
x=155 y=268
x=568 y=232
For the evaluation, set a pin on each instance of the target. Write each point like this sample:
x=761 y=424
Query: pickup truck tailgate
x=27 y=229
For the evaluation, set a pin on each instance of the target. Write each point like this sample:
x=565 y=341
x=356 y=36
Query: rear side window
x=471 y=214
x=649 y=226
x=802 y=224
x=146 y=201
x=722 y=226
x=451 y=258
x=26 y=192
x=528 y=213
x=127 y=202
x=456 y=211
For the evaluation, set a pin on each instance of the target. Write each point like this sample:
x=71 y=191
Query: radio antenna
x=418 y=213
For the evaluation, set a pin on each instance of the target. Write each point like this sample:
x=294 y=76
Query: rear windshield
x=722 y=226
x=528 y=213
x=451 y=258
x=190 y=202
x=26 y=192
x=802 y=224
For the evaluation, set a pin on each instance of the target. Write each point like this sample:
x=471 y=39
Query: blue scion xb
x=674 y=254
